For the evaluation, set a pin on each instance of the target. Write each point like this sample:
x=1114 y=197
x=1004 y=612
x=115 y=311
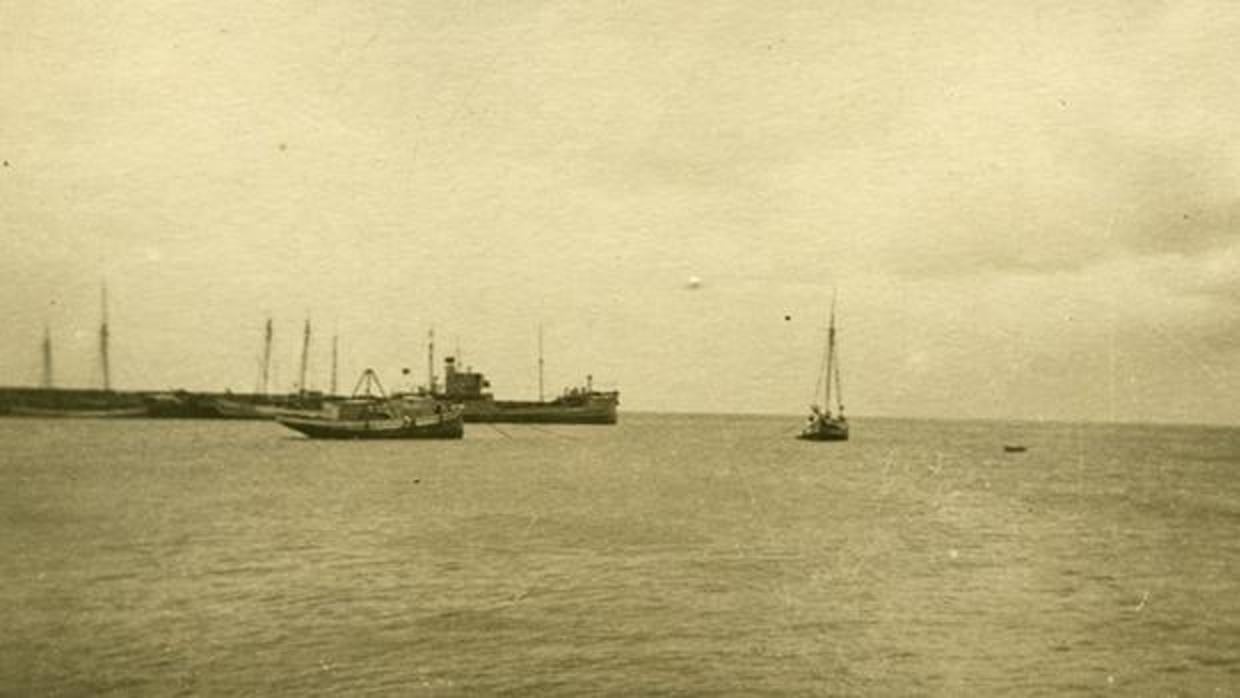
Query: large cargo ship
x=582 y=405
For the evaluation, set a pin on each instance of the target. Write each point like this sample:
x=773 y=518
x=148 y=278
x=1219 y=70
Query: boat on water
x=69 y=403
x=580 y=405
x=372 y=414
x=825 y=424
x=52 y=402
x=55 y=413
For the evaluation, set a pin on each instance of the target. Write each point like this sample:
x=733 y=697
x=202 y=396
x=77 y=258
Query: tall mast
x=47 y=357
x=335 y=351
x=839 y=390
x=540 y=363
x=305 y=356
x=267 y=334
x=826 y=398
x=103 y=342
x=430 y=360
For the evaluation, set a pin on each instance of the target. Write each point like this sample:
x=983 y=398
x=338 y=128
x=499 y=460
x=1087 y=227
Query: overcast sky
x=1028 y=209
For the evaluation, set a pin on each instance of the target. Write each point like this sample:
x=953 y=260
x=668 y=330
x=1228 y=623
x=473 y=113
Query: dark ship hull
x=582 y=405
x=825 y=430
x=63 y=402
x=177 y=404
x=113 y=413
x=369 y=417
x=321 y=428
x=594 y=411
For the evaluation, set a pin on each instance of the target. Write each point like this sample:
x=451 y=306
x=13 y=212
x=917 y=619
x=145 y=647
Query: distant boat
x=54 y=413
x=825 y=425
x=1014 y=449
x=377 y=416
x=580 y=405
x=67 y=403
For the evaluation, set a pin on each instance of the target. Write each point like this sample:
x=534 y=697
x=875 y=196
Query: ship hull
x=318 y=428
x=178 y=404
x=70 y=403
x=118 y=413
x=825 y=431
x=539 y=413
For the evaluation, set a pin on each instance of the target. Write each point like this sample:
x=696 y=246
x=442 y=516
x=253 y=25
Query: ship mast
x=305 y=356
x=266 y=375
x=47 y=357
x=103 y=342
x=826 y=398
x=335 y=350
x=540 y=363
x=430 y=361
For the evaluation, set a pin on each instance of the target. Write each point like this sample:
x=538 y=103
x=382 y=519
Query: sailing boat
x=52 y=402
x=825 y=425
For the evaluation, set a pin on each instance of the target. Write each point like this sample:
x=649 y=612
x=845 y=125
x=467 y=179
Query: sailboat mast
x=839 y=390
x=47 y=358
x=103 y=342
x=826 y=398
x=540 y=363
x=305 y=357
x=266 y=377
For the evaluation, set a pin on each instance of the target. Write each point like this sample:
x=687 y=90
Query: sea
x=670 y=555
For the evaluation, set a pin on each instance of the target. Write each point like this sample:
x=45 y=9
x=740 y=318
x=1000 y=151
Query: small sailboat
x=825 y=424
x=374 y=415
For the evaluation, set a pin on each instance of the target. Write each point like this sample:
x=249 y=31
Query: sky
x=1027 y=210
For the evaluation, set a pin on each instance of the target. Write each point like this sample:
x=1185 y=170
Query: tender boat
x=377 y=416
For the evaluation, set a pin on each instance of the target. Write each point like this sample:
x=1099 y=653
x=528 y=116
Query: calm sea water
x=665 y=556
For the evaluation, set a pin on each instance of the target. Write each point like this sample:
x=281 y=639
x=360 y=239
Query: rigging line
x=822 y=374
x=839 y=388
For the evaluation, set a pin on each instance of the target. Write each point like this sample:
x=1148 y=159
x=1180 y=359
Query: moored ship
x=376 y=416
x=69 y=403
x=581 y=405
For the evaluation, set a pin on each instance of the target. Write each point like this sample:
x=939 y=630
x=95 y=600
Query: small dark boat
x=370 y=416
x=823 y=424
x=1014 y=449
x=823 y=427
